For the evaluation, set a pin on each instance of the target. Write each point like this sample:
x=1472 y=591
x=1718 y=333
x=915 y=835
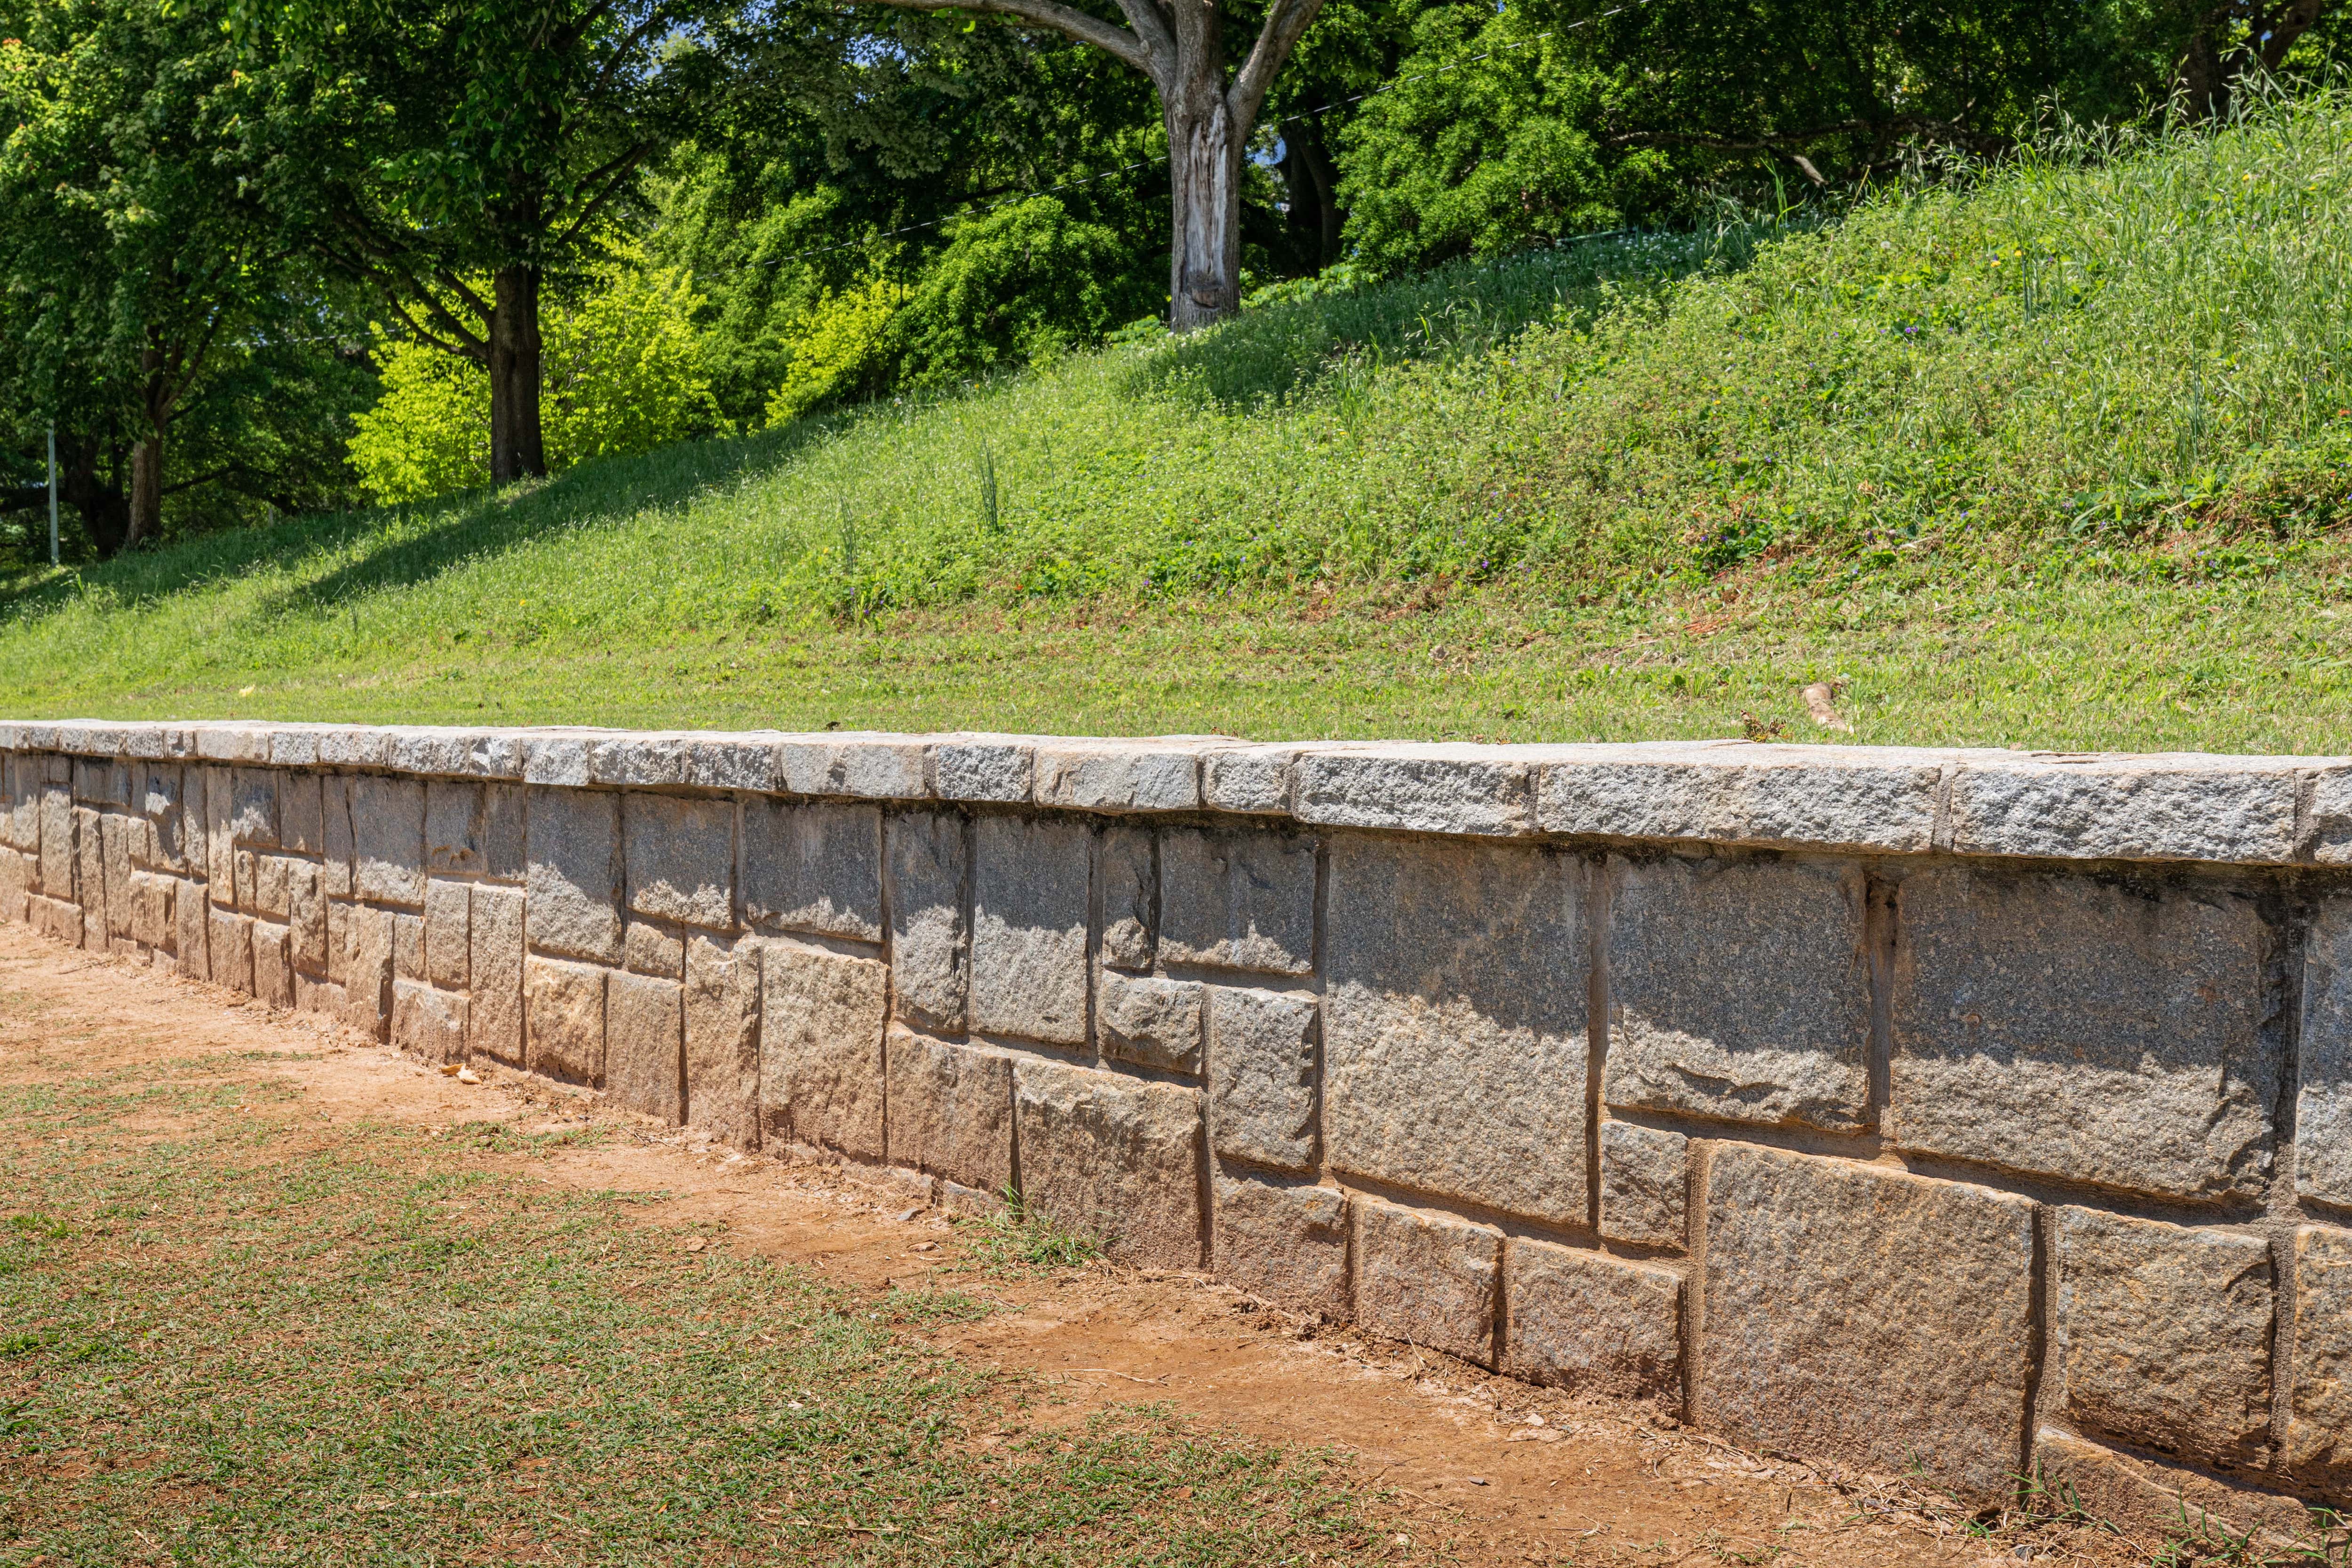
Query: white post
x=53 y=495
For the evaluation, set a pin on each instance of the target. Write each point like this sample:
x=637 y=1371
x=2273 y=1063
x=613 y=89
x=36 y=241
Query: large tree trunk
x=105 y=515
x=517 y=450
x=1204 y=153
x=1328 y=216
x=146 y=521
x=2235 y=40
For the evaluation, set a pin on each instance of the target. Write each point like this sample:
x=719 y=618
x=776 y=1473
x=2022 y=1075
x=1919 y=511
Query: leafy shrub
x=836 y=349
x=620 y=372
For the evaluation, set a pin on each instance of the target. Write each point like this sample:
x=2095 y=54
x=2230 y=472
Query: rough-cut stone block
x=163 y=797
x=2165 y=1335
x=1113 y=1158
x=2323 y=1111
x=1740 y=989
x=983 y=767
x=313 y=995
x=495 y=963
x=1732 y=792
x=644 y=1031
x=646 y=760
x=745 y=761
x=114 y=855
x=681 y=858
x=101 y=783
x=448 y=938
x=57 y=842
x=951 y=1110
x=1130 y=897
x=240 y=888
x=191 y=920
x=55 y=918
x=558 y=760
x=1287 y=1243
x=1029 y=929
x=388 y=839
x=2062 y=1026
x=564 y=1005
x=574 y=881
x=16 y=882
x=1596 y=1324
x=649 y=949
x=273 y=973
x=1118 y=776
x=1860 y=1312
x=340 y=864
x=301 y=816
x=1454 y=1024
x=722 y=1039
x=821 y=1075
x=1261 y=1076
x=813 y=868
x=307 y=915
x=1148 y=1022
x=1416 y=789
x=867 y=766
x=2131 y=1493
x=2319 y=1414
x=930 y=960
x=89 y=874
x=2157 y=808
x=273 y=884
x=1239 y=900
x=1248 y=779
x=408 y=946
x=1645 y=1172
x=1428 y=1278
x=430 y=1023
x=232 y=950
x=454 y=828
x=367 y=970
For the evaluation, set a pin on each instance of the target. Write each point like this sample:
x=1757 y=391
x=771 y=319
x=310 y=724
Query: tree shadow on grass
x=400 y=547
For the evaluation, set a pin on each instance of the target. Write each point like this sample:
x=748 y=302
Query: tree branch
x=221 y=472
x=1112 y=39
x=616 y=175
x=1286 y=21
x=1798 y=138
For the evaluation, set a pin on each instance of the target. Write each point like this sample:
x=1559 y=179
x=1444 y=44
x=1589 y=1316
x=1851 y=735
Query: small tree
x=1209 y=110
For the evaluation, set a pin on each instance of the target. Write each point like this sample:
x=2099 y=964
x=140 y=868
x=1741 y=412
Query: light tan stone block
x=1114 y=1158
x=564 y=1003
x=820 y=1067
x=1286 y=1242
x=428 y=1022
x=1644 y=1171
x=1029 y=929
x=1593 y=1323
x=649 y=949
x=643 y=1044
x=1429 y=1278
x=232 y=951
x=273 y=973
x=494 y=1019
x=950 y=1110
x=681 y=858
x=2319 y=1418
x=722 y=1038
x=1148 y=1022
x=449 y=934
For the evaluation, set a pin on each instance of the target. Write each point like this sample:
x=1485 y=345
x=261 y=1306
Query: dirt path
x=1478 y=1468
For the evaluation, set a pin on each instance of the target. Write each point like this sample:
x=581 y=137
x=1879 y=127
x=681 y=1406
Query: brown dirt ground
x=1454 y=1454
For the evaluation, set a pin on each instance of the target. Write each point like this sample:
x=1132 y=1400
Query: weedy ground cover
x=2056 y=454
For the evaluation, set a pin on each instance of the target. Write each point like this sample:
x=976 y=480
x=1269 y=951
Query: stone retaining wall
x=1958 y=1113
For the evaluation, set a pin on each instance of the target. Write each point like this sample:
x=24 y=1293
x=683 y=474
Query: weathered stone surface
x=865 y=765
x=564 y=1003
x=2165 y=1335
x=644 y=760
x=1148 y=1022
x=89 y=876
x=191 y=920
x=2133 y=1493
x=162 y=794
x=272 y=890
x=407 y=946
x=367 y=969
x=1114 y=1158
x=495 y=963
x=240 y=888
x=1029 y=929
x=307 y=915
x=1286 y=1242
x=1860 y=1312
x=821 y=1070
x=930 y=959
x=745 y=761
x=57 y=857
x=16 y=878
x=388 y=839
x=1238 y=900
x=1118 y=776
x=1261 y=1049
x=313 y=995
x=1645 y=1172
x=813 y=868
x=681 y=858
x=1428 y=1278
x=2108 y=807
x=1740 y=989
x=951 y=1110
x=448 y=937
x=338 y=867
x=1130 y=881
x=983 y=767
x=1596 y=1324
x=1416 y=789
x=2077 y=1028
x=453 y=836
x=301 y=816
x=232 y=951
x=722 y=1038
x=574 y=883
x=1454 y=1024
x=1248 y=779
x=114 y=856
x=644 y=1031
x=55 y=918
x=1732 y=792
x=430 y=1023
x=2323 y=1110
x=2319 y=1415
x=650 y=949
x=273 y=974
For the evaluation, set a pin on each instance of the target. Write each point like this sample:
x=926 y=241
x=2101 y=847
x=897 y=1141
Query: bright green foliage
x=836 y=348
x=622 y=374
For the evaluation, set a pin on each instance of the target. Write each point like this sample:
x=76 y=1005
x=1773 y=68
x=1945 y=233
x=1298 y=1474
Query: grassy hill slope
x=2056 y=460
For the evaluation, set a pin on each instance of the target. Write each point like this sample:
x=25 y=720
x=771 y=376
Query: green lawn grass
x=2055 y=455
x=229 y=1336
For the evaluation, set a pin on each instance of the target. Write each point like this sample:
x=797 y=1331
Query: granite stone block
x=1593 y=1323
x=1449 y=789
x=644 y=1033
x=1740 y=989
x=1238 y=901
x=1428 y=1278
x=495 y=964
x=273 y=973
x=307 y=915
x=813 y=868
x=1029 y=929
x=655 y=950
x=231 y=939
x=367 y=970
x=1858 y=797
x=2319 y=1412
x=574 y=883
x=1645 y=1172
x=428 y=1022
x=722 y=1038
x=564 y=1005
x=680 y=856
x=1261 y=1049
x=301 y=814
x=950 y=1110
x=448 y=936
x=1454 y=1024
x=1286 y=1242
x=2323 y=1112
x=388 y=839
x=1130 y=881
x=930 y=955
x=454 y=836
x=1113 y=1158
x=2186 y=808
x=1148 y=1022
x=821 y=1067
